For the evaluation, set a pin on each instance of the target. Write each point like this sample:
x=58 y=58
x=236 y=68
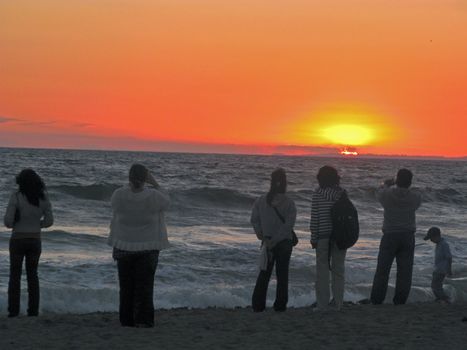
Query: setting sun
x=348 y=134
x=346 y=125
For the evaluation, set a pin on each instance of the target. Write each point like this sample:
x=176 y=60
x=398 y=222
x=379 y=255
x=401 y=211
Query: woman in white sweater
x=273 y=218
x=137 y=234
x=28 y=211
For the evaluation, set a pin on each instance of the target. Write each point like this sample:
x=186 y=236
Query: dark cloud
x=50 y=139
x=79 y=141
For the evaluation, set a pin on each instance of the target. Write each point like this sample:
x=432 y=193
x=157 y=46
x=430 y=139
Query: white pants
x=337 y=273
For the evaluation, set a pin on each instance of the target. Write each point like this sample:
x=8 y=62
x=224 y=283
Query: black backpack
x=345 y=227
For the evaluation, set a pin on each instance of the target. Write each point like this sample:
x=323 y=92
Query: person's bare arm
x=152 y=181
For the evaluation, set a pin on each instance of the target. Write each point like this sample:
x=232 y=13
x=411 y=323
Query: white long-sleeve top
x=31 y=219
x=138 y=220
x=267 y=223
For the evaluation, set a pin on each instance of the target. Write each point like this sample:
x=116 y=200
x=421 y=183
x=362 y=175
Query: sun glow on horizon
x=348 y=134
x=348 y=152
x=347 y=126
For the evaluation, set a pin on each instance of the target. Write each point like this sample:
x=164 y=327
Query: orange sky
x=248 y=74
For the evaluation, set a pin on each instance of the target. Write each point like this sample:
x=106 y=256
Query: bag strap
x=279 y=215
x=342 y=196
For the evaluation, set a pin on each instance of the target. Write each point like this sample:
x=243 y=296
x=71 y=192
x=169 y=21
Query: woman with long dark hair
x=137 y=234
x=273 y=218
x=329 y=258
x=28 y=211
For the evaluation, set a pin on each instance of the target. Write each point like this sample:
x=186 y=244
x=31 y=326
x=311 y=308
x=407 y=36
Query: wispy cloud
x=83 y=125
x=51 y=124
x=8 y=119
x=37 y=123
x=22 y=121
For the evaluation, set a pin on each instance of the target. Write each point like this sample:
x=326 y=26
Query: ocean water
x=214 y=253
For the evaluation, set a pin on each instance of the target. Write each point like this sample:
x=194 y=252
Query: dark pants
x=136 y=277
x=29 y=248
x=437 y=286
x=401 y=246
x=281 y=258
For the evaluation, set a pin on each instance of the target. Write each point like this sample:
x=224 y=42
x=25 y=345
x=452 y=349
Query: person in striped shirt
x=329 y=258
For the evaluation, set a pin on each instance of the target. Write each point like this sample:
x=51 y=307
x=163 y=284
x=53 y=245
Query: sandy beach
x=414 y=326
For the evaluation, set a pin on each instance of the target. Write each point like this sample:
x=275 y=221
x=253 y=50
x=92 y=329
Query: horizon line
x=282 y=154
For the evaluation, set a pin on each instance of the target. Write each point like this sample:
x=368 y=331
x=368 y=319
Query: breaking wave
x=225 y=197
x=97 y=192
x=217 y=196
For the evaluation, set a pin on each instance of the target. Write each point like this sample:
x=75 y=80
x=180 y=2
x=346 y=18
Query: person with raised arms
x=400 y=203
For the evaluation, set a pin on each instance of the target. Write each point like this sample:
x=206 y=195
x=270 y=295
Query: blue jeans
x=400 y=246
x=28 y=249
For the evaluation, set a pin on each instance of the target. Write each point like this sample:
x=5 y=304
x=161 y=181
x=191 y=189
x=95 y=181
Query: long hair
x=31 y=185
x=138 y=175
x=278 y=184
x=328 y=177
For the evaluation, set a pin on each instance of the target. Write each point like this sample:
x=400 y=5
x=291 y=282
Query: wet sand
x=413 y=326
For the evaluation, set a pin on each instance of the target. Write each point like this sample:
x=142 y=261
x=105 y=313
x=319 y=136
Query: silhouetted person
x=28 y=211
x=137 y=234
x=329 y=259
x=398 y=241
x=273 y=219
x=443 y=263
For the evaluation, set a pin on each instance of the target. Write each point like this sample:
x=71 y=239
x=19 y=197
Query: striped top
x=321 y=202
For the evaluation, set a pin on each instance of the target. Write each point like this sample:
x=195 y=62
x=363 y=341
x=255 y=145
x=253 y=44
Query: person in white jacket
x=28 y=211
x=273 y=218
x=137 y=234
